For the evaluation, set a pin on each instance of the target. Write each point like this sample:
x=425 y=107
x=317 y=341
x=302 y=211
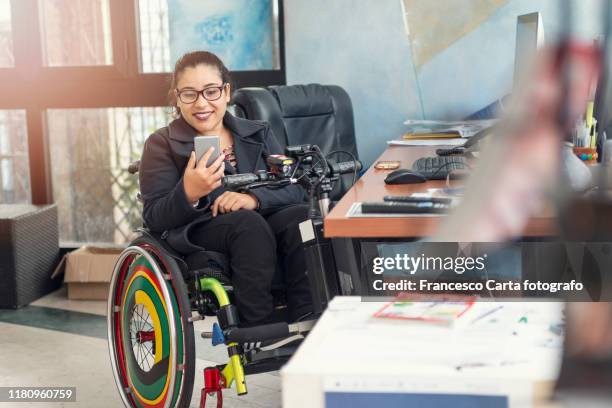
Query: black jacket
x=166 y=153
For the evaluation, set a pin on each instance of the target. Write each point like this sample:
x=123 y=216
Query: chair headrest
x=303 y=100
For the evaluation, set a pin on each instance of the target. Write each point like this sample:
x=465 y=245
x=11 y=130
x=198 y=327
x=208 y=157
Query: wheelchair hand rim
x=112 y=309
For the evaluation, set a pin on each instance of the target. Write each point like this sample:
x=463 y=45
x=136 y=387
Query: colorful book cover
x=435 y=309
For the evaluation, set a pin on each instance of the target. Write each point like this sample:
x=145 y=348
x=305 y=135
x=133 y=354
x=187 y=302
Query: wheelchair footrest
x=262 y=361
x=254 y=356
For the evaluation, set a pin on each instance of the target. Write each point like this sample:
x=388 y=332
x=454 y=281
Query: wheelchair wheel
x=150 y=335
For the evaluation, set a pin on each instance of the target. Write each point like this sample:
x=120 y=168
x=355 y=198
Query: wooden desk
x=349 y=234
x=371 y=187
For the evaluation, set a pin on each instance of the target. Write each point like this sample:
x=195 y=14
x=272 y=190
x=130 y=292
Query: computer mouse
x=404 y=176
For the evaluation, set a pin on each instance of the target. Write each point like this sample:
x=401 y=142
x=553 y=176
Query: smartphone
x=203 y=143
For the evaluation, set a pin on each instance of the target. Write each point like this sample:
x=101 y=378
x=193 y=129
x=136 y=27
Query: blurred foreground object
x=586 y=372
x=589 y=333
x=520 y=166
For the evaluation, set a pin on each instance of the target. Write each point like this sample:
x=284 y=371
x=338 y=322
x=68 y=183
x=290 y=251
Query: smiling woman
x=186 y=202
x=202 y=73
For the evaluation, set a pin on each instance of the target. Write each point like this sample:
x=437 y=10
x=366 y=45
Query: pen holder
x=586 y=154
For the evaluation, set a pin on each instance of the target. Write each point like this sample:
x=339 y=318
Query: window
x=243 y=33
x=75 y=32
x=14 y=166
x=90 y=152
x=6 y=37
x=82 y=85
x=154 y=37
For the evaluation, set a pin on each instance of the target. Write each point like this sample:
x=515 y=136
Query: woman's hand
x=200 y=180
x=230 y=201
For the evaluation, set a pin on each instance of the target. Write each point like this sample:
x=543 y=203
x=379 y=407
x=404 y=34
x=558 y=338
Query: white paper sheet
x=428 y=142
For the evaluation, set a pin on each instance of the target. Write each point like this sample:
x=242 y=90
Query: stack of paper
x=427 y=142
x=428 y=128
x=440 y=133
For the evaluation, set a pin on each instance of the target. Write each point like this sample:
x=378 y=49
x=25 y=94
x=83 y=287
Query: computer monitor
x=529 y=37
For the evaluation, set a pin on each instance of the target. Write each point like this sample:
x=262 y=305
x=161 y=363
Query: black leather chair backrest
x=300 y=114
x=260 y=104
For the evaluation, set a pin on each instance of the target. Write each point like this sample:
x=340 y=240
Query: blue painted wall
x=362 y=46
x=367 y=54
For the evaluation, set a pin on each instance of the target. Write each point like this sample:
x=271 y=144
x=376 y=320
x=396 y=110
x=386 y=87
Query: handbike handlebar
x=243 y=181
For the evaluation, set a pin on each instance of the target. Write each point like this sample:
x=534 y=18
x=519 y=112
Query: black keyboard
x=396 y=207
x=437 y=168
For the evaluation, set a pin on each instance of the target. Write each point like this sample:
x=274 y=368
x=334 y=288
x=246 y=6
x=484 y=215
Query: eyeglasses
x=212 y=93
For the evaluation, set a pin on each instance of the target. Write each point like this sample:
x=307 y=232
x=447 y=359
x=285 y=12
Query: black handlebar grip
x=257 y=333
x=346 y=167
x=236 y=181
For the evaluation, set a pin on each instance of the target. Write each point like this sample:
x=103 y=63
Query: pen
x=488 y=313
x=586 y=137
x=478 y=365
x=575 y=134
x=589 y=113
x=582 y=134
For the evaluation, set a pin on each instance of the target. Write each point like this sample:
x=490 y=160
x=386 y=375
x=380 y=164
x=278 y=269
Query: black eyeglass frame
x=198 y=93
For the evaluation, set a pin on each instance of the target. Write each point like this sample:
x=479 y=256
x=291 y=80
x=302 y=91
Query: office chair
x=304 y=114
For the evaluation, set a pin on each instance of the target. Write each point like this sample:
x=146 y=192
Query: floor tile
x=59 y=300
x=56 y=341
x=68 y=321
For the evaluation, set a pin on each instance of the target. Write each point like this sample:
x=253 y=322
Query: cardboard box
x=87 y=272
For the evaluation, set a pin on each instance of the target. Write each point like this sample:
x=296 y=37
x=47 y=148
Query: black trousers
x=253 y=243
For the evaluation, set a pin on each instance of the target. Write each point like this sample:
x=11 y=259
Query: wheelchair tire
x=150 y=335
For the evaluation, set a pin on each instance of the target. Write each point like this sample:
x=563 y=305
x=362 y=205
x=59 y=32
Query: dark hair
x=193 y=59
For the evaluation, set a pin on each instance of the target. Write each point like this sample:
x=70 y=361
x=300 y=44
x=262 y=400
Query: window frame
x=31 y=86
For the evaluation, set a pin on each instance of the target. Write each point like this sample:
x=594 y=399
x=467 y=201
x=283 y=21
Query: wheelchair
x=156 y=295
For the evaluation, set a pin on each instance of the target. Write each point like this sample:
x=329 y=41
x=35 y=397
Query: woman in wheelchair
x=184 y=199
x=156 y=288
